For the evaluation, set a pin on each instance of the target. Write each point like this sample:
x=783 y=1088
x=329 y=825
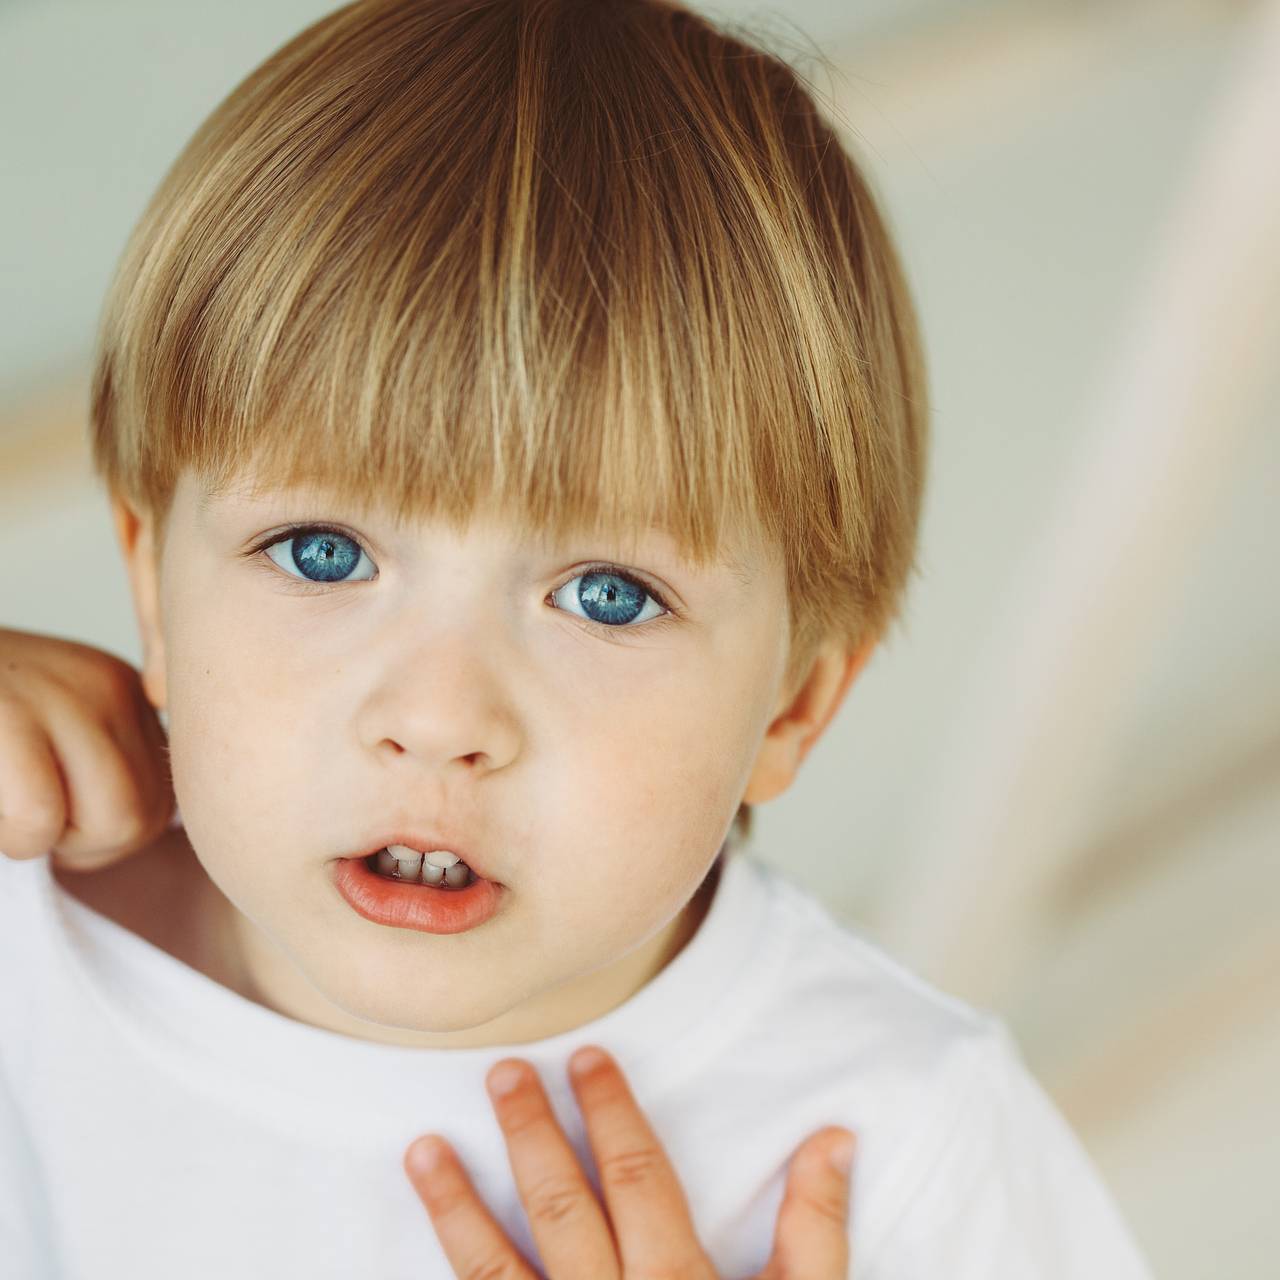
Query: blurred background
x=1058 y=781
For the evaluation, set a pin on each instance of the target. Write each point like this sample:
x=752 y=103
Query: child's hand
x=648 y=1231
x=84 y=767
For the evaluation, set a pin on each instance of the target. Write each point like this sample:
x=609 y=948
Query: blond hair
x=600 y=264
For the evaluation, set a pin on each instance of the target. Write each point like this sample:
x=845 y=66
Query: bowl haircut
x=598 y=265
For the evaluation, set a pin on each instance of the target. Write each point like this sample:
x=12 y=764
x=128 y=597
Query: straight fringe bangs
x=593 y=264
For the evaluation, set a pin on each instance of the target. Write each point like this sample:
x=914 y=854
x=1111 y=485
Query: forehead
x=739 y=555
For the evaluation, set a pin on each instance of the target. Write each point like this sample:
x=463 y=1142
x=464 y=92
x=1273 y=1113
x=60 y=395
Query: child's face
x=594 y=772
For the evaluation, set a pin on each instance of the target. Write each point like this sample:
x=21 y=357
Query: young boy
x=515 y=428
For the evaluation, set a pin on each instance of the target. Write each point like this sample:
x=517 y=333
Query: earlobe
x=135 y=533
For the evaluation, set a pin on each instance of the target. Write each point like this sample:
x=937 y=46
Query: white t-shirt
x=154 y=1123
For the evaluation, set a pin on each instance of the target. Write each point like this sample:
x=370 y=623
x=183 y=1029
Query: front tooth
x=410 y=866
x=437 y=857
x=439 y=866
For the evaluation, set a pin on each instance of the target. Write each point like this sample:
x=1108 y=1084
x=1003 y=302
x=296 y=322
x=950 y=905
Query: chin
x=426 y=1011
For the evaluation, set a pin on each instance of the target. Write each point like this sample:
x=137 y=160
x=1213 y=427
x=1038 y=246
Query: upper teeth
x=430 y=868
x=437 y=857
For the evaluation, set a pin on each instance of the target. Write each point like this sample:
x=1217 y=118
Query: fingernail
x=505 y=1079
x=840 y=1154
x=425 y=1155
x=585 y=1061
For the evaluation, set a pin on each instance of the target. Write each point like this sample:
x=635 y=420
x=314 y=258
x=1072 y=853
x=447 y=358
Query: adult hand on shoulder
x=648 y=1231
x=84 y=766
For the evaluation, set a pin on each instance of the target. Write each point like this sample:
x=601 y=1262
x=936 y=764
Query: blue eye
x=320 y=555
x=612 y=599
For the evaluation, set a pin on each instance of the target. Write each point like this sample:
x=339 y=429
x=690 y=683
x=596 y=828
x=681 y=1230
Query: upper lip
x=424 y=843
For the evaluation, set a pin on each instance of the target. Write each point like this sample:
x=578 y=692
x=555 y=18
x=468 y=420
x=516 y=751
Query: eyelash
x=305 y=587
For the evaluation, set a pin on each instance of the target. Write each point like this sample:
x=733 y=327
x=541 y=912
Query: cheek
x=660 y=776
x=229 y=723
x=635 y=740
x=691 y=749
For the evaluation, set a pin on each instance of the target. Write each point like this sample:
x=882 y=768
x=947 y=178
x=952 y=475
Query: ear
x=136 y=533
x=793 y=732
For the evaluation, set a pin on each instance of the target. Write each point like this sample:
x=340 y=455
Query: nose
x=439 y=703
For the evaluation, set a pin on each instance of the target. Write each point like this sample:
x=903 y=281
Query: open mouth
x=434 y=871
x=399 y=896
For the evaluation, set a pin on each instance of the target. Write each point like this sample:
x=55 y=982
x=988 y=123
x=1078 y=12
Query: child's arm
x=84 y=768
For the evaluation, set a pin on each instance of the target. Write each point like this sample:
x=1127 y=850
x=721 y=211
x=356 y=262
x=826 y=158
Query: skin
x=645 y=1228
x=698 y=720
x=439 y=685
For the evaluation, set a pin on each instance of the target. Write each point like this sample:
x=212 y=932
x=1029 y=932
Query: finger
x=471 y=1238
x=646 y=1204
x=145 y=746
x=33 y=805
x=103 y=807
x=568 y=1224
x=812 y=1239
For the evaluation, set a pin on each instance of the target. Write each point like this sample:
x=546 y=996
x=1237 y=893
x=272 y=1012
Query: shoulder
x=863 y=1032
x=21 y=883
x=26 y=948
x=160 y=894
x=962 y=1158
x=868 y=1003
x=998 y=1185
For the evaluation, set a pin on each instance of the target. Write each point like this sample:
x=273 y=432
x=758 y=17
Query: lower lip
x=403 y=905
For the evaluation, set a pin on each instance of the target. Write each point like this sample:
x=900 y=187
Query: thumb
x=812 y=1238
